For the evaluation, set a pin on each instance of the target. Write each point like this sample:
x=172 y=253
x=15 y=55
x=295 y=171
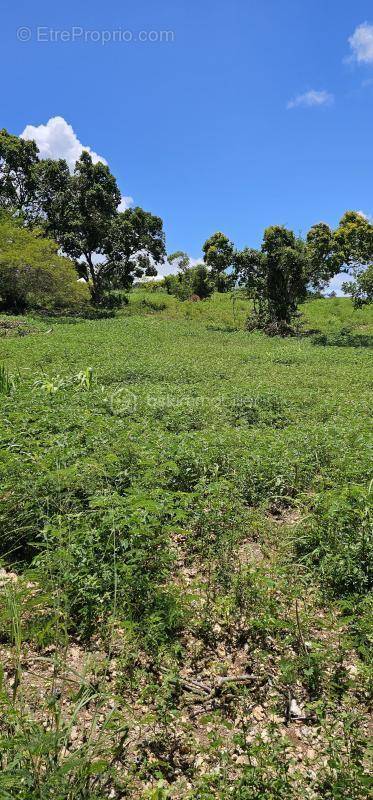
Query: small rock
x=295 y=710
x=242 y=760
x=258 y=713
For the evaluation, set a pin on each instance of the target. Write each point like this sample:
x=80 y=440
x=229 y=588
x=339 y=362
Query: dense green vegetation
x=184 y=501
x=32 y=273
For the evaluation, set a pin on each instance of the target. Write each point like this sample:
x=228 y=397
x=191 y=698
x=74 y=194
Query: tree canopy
x=110 y=248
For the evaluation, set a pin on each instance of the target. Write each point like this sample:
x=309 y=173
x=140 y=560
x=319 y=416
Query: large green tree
x=354 y=240
x=361 y=288
x=348 y=247
x=110 y=248
x=278 y=276
x=324 y=259
x=80 y=211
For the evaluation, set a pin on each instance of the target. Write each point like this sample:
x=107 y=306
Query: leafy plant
x=85 y=379
x=337 y=540
x=7 y=383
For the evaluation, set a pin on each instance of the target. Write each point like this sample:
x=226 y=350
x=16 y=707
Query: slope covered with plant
x=186 y=540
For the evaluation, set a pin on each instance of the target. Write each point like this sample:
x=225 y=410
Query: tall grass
x=7 y=383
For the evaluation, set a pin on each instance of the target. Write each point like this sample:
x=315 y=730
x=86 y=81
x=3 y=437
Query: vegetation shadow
x=343 y=339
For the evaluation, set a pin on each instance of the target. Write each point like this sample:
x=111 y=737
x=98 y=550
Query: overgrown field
x=186 y=541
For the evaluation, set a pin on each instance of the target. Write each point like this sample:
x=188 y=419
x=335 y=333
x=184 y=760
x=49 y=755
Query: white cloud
x=57 y=139
x=126 y=202
x=311 y=99
x=361 y=43
x=171 y=269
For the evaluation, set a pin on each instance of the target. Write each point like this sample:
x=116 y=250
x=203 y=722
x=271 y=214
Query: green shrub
x=192 y=281
x=153 y=305
x=33 y=275
x=113 y=300
x=116 y=561
x=337 y=540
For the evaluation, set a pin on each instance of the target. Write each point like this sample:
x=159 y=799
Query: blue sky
x=253 y=113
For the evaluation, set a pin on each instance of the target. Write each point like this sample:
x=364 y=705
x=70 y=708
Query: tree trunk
x=96 y=293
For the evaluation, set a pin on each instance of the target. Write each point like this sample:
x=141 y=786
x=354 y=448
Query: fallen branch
x=210 y=691
x=237 y=679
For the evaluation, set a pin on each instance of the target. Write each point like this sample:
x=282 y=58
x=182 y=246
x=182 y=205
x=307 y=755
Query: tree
x=90 y=198
x=276 y=276
x=182 y=260
x=219 y=255
x=250 y=271
x=354 y=240
x=32 y=274
x=361 y=289
x=134 y=245
x=18 y=175
x=189 y=280
x=110 y=248
x=347 y=249
x=324 y=258
x=286 y=272
x=80 y=211
x=200 y=282
x=53 y=195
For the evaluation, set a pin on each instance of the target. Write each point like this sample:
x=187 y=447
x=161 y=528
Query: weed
x=7 y=383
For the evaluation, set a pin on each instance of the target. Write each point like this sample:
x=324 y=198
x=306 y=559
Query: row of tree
x=111 y=248
x=279 y=275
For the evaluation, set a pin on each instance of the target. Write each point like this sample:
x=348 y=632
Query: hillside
x=186 y=528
